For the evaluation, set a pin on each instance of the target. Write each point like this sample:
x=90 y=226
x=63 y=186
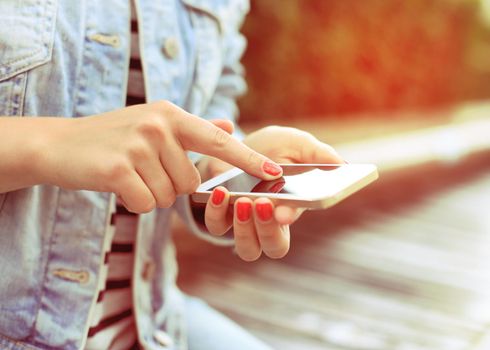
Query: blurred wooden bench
x=401 y=265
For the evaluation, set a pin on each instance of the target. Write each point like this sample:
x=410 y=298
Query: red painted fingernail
x=272 y=168
x=277 y=187
x=264 y=211
x=217 y=196
x=243 y=211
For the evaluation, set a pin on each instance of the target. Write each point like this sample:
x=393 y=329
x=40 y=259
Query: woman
x=80 y=270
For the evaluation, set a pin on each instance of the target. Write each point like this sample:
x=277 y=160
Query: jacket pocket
x=26 y=41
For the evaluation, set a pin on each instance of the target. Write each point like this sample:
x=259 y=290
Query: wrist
x=37 y=151
x=21 y=151
x=43 y=136
x=45 y=143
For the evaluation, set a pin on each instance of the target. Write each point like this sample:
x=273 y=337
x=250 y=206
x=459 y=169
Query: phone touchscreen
x=302 y=181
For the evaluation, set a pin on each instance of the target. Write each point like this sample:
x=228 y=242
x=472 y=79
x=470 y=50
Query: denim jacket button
x=171 y=47
x=162 y=338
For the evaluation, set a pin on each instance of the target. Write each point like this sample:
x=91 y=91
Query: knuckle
x=188 y=184
x=139 y=150
x=269 y=236
x=116 y=172
x=152 y=126
x=244 y=237
x=221 y=138
x=214 y=226
x=169 y=112
x=162 y=105
x=253 y=159
x=316 y=153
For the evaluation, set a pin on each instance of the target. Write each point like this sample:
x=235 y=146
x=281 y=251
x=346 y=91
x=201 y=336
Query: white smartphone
x=311 y=186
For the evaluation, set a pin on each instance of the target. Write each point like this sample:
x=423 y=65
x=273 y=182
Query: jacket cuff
x=193 y=215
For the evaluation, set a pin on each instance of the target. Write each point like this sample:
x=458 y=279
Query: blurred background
x=403 y=264
x=333 y=59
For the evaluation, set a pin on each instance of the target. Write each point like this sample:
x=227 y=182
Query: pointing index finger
x=199 y=135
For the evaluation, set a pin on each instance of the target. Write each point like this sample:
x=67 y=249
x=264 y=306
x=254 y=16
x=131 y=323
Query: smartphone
x=310 y=186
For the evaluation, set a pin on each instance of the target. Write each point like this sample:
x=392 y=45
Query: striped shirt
x=136 y=86
x=112 y=324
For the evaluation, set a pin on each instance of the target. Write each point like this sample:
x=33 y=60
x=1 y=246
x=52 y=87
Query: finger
x=317 y=152
x=157 y=180
x=216 y=215
x=135 y=194
x=285 y=215
x=224 y=124
x=246 y=242
x=201 y=136
x=217 y=167
x=182 y=172
x=150 y=169
x=273 y=240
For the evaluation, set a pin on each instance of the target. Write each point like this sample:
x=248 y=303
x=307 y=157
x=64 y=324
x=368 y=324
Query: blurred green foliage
x=317 y=58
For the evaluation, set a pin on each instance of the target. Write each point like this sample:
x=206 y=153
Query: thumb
x=317 y=152
x=224 y=124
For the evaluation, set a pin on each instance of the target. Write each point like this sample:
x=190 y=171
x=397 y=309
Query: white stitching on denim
x=38 y=57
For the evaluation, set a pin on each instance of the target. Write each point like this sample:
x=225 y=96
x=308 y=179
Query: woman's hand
x=139 y=153
x=258 y=225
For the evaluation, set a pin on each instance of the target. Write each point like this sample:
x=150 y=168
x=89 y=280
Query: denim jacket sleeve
x=230 y=85
x=220 y=47
x=184 y=209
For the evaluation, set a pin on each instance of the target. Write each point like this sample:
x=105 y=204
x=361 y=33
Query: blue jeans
x=209 y=330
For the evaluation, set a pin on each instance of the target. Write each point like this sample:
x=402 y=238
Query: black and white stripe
x=136 y=87
x=112 y=324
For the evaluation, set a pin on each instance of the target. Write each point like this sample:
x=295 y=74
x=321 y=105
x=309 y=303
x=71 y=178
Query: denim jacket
x=70 y=59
